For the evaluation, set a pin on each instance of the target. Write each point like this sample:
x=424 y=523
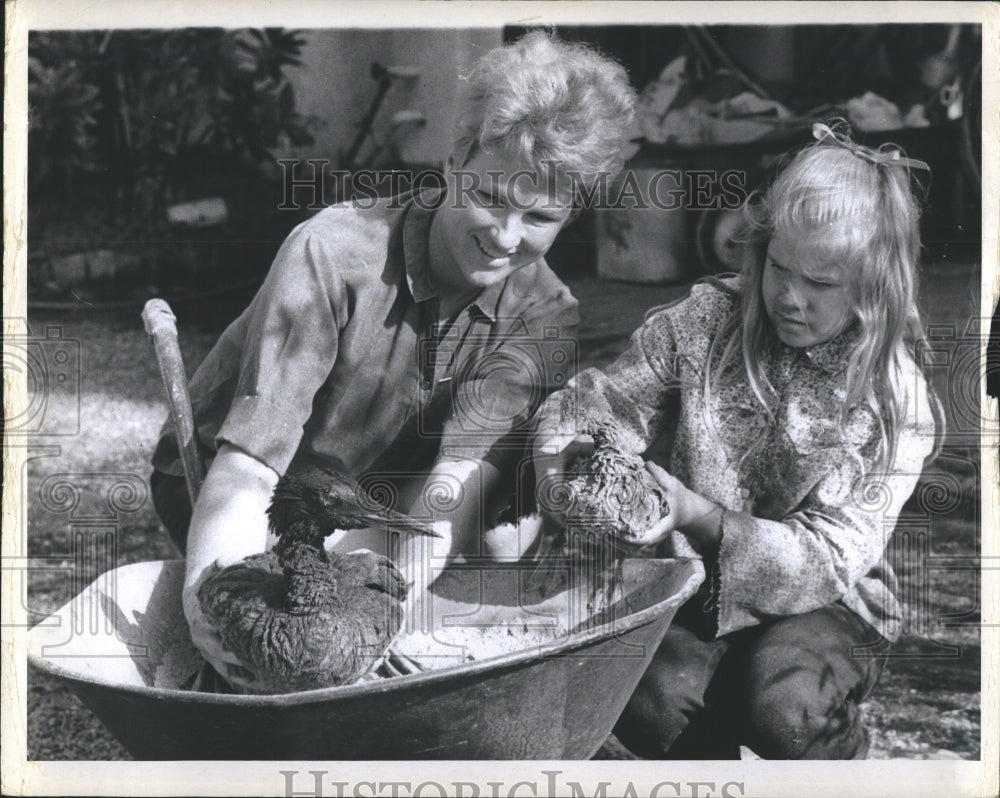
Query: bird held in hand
x=298 y=617
x=604 y=508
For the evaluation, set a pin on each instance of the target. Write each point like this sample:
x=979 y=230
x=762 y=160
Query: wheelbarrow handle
x=161 y=325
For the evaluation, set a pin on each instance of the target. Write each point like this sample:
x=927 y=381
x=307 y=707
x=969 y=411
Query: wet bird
x=601 y=512
x=298 y=617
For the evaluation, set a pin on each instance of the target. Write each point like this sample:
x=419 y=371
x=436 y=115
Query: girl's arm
x=634 y=393
x=816 y=554
x=698 y=518
x=637 y=394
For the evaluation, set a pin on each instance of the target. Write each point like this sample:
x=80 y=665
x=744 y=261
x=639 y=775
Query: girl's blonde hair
x=856 y=205
x=549 y=102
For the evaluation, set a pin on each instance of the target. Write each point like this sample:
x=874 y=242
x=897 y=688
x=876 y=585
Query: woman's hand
x=696 y=517
x=206 y=638
x=552 y=457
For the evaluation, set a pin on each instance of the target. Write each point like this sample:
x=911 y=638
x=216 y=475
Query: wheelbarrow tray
x=558 y=700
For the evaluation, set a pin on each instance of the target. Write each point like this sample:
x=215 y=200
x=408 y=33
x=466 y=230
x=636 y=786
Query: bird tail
x=604 y=433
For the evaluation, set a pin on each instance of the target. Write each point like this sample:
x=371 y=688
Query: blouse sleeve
x=816 y=554
x=290 y=349
x=637 y=392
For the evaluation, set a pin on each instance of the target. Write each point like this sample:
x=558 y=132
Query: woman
x=376 y=345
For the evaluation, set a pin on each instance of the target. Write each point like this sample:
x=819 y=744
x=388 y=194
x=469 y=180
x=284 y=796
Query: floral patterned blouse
x=802 y=527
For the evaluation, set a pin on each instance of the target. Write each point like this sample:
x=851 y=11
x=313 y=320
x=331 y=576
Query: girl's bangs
x=828 y=243
x=827 y=196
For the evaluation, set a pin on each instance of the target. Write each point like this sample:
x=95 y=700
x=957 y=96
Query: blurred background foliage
x=123 y=124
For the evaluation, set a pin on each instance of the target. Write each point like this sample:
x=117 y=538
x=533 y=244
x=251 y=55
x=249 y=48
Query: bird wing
x=374 y=572
x=257 y=578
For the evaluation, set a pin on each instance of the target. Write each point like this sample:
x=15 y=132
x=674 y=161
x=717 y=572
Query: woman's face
x=807 y=295
x=499 y=215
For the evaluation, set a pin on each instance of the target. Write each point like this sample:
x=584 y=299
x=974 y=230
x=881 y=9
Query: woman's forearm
x=458 y=494
x=229 y=520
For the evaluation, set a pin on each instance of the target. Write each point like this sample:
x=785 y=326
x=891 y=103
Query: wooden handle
x=951 y=48
x=161 y=324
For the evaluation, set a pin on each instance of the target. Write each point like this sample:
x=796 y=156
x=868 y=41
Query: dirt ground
x=927 y=704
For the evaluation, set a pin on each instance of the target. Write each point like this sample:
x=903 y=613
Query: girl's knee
x=793 y=717
x=802 y=688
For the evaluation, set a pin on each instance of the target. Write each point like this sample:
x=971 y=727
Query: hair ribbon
x=823 y=133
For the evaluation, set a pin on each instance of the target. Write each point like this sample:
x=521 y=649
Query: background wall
x=335 y=85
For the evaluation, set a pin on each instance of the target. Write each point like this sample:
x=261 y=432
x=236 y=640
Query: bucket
x=642 y=235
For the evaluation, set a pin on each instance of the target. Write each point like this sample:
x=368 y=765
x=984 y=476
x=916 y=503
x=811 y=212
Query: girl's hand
x=696 y=517
x=552 y=457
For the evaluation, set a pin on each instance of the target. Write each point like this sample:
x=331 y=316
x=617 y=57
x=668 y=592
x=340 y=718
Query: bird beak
x=399 y=523
x=415 y=528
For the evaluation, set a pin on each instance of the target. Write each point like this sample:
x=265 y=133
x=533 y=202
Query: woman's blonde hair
x=858 y=206
x=549 y=102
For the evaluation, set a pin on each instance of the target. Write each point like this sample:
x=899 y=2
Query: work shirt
x=341 y=358
x=801 y=528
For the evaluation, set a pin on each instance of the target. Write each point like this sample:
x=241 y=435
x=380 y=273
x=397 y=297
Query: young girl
x=800 y=425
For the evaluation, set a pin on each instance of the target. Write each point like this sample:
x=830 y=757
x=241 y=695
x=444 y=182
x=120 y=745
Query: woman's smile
x=499 y=216
x=488 y=252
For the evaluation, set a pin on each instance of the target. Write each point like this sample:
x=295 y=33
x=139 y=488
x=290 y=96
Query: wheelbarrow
x=121 y=643
x=123 y=646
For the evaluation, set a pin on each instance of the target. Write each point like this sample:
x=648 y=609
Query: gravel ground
x=925 y=706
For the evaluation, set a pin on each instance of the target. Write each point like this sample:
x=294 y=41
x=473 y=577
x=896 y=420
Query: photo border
x=757 y=778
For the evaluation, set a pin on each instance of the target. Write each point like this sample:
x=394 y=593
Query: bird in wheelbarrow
x=298 y=617
x=601 y=512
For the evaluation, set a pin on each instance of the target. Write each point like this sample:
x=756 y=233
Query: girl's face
x=499 y=216
x=807 y=294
